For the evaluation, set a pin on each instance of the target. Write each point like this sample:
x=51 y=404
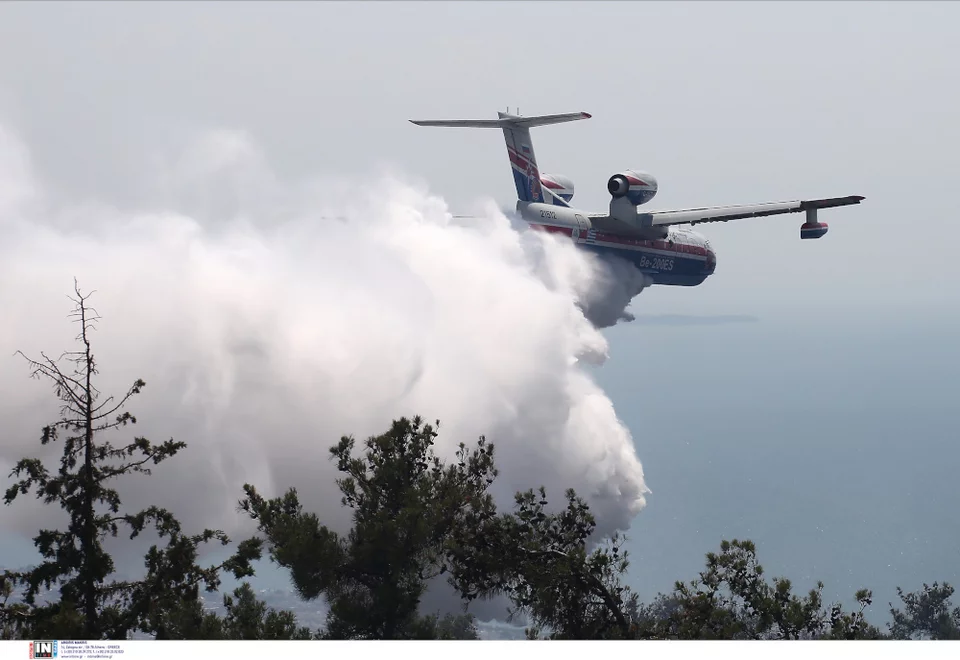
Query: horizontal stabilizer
x=516 y=134
x=505 y=121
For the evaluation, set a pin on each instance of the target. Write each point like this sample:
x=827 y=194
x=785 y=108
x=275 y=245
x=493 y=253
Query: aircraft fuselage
x=670 y=256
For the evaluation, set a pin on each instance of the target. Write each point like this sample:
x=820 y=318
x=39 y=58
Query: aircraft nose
x=711 y=260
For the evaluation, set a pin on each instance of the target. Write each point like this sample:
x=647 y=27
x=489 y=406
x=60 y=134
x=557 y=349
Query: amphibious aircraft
x=656 y=241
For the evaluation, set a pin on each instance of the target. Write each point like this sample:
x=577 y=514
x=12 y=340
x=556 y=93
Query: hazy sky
x=822 y=429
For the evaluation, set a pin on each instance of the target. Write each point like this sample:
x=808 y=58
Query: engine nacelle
x=559 y=185
x=638 y=187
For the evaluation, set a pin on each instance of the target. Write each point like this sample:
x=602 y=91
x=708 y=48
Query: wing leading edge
x=736 y=212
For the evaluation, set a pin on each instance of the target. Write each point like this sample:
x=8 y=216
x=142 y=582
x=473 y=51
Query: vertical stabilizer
x=523 y=160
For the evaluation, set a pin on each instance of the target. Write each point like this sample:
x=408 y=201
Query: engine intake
x=638 y=187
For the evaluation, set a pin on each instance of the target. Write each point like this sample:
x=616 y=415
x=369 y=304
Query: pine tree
x=90 y=606
x=405 y=503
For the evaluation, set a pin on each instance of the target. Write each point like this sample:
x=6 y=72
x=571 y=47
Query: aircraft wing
x=736 y=212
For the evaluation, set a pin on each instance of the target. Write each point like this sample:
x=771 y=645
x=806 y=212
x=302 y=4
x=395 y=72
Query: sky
x=800 y=397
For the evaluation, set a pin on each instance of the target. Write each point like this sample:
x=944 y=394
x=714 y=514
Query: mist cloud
x=265 y=329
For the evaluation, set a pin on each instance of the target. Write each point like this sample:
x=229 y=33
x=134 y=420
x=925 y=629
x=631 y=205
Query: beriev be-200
x=656 y=242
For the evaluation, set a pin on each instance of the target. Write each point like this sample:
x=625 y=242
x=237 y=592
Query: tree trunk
x=88 y=539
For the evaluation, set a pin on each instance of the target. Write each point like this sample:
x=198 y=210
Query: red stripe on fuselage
x=566 y=231
x=675 y=246
x=678 y=247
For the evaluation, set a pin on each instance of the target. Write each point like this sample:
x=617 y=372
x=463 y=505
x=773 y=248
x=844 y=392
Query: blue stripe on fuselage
x=675 y=270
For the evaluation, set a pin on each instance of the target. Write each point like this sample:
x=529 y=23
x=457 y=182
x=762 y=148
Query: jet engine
x=638 y=187
x=559 y=185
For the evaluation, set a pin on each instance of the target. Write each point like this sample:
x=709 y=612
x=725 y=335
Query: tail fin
x=523 y=161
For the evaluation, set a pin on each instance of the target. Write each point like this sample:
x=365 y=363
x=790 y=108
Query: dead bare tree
x=75 y=559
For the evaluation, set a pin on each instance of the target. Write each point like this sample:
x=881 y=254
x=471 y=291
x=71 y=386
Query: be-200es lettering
x=659 y=263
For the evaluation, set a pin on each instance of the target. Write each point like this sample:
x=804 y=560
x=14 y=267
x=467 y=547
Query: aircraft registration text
x=659 y=263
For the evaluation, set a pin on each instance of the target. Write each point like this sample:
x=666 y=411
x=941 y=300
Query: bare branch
x=97 y=409
x=123 y=469
x=53 y=372
x=135 y=389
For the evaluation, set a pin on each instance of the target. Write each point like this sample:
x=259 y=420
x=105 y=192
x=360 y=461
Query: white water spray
x=265 y=330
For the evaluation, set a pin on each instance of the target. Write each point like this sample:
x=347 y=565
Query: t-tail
x=523 y=161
